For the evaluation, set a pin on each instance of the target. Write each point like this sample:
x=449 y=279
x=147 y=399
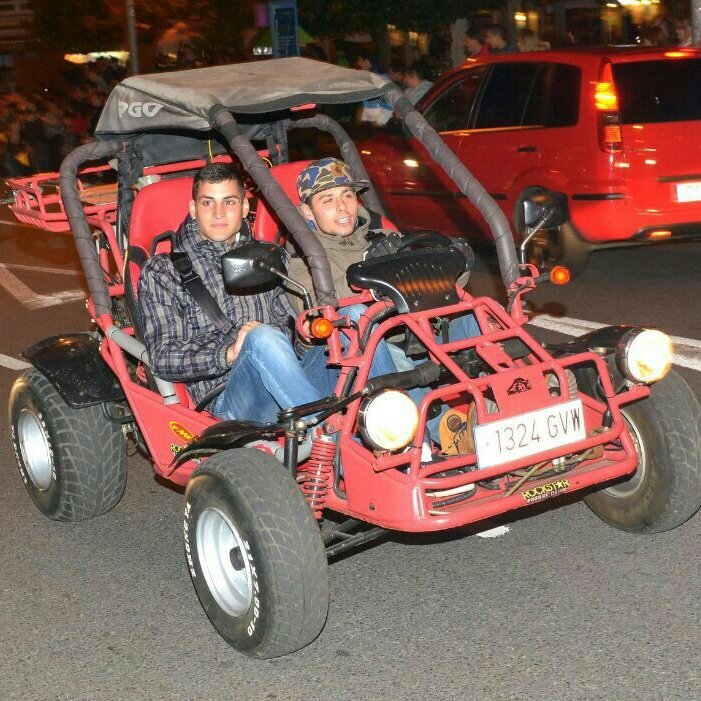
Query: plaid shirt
x=183 y=343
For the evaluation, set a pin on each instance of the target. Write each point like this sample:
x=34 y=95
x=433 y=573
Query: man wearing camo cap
x=329 y=203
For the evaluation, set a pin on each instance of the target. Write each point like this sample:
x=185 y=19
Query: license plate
x=689 y=192
x=527 y=434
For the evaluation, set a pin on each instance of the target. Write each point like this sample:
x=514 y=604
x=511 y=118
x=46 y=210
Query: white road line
x=31 y=299
x=12 y=363
x=496 y=532
x=53 y=271
x=687 y=351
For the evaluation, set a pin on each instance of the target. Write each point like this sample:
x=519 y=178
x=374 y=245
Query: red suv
x=617 y=130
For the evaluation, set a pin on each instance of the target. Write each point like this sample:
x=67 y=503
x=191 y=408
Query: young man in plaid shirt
x=255 y=357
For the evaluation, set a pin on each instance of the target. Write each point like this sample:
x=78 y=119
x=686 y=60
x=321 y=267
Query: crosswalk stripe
x=31 y=299
x=12 y=363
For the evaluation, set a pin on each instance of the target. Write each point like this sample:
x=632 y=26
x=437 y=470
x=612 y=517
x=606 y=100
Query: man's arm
x=180 y=346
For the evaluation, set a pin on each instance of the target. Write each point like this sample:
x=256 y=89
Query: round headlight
x=645 y=355
x=388 y=420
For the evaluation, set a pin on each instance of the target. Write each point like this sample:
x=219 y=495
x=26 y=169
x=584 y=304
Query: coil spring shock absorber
x=317 y=475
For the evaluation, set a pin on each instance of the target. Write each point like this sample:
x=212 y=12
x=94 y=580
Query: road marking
x=13 y=363
x=31 y=299
x=687 y=351
x=53 y=271
x=496 y=532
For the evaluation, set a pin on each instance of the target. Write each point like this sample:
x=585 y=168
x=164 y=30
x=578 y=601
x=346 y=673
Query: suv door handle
x=525 y=149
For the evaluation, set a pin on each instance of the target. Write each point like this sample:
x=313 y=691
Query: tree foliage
x=91 y=25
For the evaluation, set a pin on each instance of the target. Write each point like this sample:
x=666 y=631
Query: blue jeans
x=324 y=378
x=267 y=376
x=388 y=358
x=460 y=328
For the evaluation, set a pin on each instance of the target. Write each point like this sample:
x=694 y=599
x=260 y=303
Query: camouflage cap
x=323 y=175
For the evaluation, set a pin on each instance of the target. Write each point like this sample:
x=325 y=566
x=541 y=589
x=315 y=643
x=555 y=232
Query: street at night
x=560 y=606
x=350 y=351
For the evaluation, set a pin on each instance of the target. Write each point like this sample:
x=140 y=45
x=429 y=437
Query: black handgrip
x=421 y=376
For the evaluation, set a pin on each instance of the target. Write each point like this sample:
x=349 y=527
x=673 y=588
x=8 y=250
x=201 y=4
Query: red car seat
x=158 y=208
x=267 y=226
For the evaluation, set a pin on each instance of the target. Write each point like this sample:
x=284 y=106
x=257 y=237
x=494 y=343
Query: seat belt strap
x=192 y=283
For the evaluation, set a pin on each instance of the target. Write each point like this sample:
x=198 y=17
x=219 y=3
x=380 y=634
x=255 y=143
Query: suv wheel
x=72 y=461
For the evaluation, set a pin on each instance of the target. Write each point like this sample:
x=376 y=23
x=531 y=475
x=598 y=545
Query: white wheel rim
x=35 y=448
x=630 y=486
x=224 y=562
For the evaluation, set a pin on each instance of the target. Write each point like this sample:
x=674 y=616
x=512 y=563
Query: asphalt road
x=560 y=607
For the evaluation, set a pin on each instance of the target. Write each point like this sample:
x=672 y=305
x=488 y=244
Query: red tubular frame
x=45 y=210
x=391 y=490
x=375 y=489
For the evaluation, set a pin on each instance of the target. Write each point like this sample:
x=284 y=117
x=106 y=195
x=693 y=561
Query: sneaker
x=455 y=431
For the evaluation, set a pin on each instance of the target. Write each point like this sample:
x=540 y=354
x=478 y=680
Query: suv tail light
x=606 y=104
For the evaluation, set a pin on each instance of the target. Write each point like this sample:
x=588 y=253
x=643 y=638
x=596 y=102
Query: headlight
x=388 y=420
x=644 y=355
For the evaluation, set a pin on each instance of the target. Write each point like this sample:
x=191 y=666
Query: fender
x=600 y=341
x=73 y=365
x=224 y=436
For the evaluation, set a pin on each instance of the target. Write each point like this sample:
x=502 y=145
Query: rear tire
x=72 y=461
x=255 y=554
x=665 y=490
x=559 y=246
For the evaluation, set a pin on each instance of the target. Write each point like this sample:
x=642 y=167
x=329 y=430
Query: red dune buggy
x=602 y=415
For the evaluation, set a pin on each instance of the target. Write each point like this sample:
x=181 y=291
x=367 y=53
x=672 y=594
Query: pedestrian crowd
x=663 y=31
x=38 y=128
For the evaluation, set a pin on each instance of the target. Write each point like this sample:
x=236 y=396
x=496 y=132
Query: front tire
x=72 y=461
x=665 y=490
x=255 y=554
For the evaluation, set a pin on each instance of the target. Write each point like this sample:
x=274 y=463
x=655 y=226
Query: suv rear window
x=658 y=91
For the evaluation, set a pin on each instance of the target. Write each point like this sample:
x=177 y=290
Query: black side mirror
x=547 y=208
x=250 y=265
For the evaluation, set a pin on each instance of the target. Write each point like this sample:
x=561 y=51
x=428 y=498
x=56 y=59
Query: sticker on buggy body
x=545 y=491
x=180 y=431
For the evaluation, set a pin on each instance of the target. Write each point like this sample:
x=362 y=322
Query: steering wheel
x=423 y=239
x=394 y=243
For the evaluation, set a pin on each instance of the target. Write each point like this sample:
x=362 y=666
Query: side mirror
x=250 y=265
x=545 y=208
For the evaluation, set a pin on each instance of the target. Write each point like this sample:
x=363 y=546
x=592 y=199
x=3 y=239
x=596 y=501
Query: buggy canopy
x=182 y=99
